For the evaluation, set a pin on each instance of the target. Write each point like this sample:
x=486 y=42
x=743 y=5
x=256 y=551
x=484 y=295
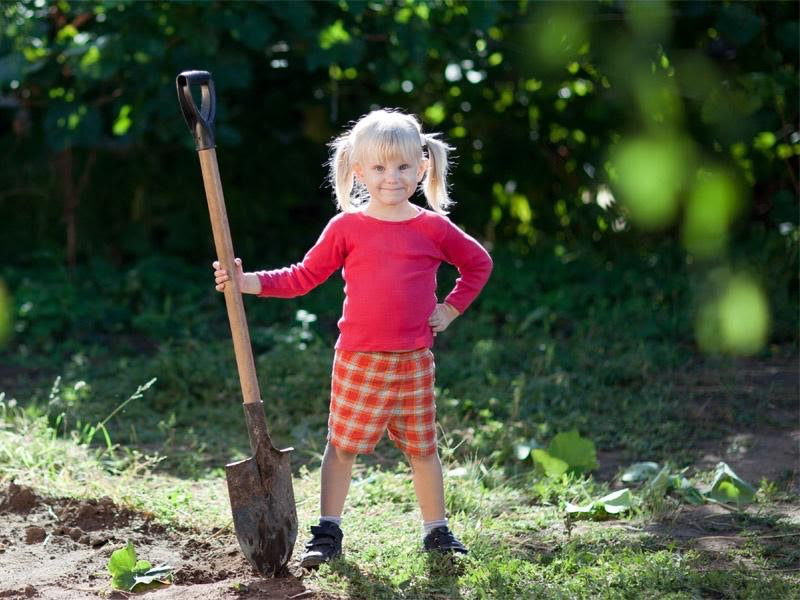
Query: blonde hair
x=382 y=135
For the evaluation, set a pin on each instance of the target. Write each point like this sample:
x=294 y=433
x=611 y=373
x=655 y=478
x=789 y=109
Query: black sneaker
x=442 y=540
x=324 y=546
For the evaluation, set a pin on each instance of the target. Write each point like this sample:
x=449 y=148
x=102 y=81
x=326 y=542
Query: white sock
x=337 y=520
x=431 y=525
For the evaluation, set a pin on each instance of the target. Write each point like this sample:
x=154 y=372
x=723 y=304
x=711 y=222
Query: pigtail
x=341 y=171
x=435 y=183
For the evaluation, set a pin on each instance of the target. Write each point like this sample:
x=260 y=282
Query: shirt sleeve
x=472 y=261
x=325 y=257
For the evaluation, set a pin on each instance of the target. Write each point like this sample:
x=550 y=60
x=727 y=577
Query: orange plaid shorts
x=375 y=391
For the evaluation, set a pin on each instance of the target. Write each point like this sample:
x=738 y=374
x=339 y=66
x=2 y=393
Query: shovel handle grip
x=200 y=122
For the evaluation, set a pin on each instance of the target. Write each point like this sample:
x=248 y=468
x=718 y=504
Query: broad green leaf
x=152 y=578
x=142 y=565
x=690 y=493
x=553 y=467
x=575 y=509
x=123 y=559
x=578 y=452
x=616 y=502
x=128 y=573
x=659 y=485
x=640 y=471
x=610 y=504
x=729 y=487
x=121 y=565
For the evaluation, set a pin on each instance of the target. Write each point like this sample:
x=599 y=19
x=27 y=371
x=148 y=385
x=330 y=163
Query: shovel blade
x=264 y=513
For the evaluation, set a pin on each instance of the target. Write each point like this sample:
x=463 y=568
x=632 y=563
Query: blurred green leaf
x=551 y=465
x=333 y=34
x=728 y=487
x=736 y=320
x=712 y=205
x=640 y=471
x=567 y=452
x=650 y=172
x=609 y=505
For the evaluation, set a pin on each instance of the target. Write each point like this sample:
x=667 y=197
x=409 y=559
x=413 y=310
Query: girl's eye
x=404 y=166
x=379 y=168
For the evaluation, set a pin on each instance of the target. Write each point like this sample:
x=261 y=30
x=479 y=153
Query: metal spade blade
x=262 y=499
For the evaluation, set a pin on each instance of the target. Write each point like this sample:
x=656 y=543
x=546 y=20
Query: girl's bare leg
x=426 y=472
x=337 y=470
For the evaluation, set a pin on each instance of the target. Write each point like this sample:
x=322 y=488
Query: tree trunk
x=71 y=194
x=63 y=168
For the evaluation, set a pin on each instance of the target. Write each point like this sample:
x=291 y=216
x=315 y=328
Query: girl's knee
x=341 y=455
x=422 y=460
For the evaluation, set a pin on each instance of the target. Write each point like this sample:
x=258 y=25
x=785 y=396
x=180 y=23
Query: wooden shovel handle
x=226 y=257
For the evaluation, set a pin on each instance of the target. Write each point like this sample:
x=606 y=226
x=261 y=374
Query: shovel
x=260 y=487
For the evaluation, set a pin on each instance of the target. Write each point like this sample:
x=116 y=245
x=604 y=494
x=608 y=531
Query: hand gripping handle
x=201 y=123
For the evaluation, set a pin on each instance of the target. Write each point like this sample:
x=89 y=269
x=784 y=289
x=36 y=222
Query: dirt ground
x=57 y=548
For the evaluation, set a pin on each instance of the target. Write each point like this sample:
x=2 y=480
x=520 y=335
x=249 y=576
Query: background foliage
x=614 y=124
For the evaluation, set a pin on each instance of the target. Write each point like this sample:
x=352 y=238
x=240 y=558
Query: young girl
x=383 y=369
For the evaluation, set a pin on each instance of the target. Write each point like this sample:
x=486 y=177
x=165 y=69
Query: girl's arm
x=319 y=263
x=473 y=263
x=248 y=282
x=251 y=284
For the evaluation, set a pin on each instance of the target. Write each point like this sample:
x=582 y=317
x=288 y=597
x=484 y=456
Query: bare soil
x=59 y=548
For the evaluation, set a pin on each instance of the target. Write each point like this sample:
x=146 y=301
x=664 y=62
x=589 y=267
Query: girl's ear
x=423 y=165
x=359 y=172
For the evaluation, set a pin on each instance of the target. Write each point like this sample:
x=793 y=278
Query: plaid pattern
x=375 y=391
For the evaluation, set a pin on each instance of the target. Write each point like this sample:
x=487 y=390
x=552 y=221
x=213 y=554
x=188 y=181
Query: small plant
x=132 y=575
x=727 y=488
x=768 y=491
x=660 y=481
x=608 y=506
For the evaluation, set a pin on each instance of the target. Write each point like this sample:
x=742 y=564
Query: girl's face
x=391 y=182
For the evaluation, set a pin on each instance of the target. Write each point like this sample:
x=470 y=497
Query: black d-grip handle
x=201 y=123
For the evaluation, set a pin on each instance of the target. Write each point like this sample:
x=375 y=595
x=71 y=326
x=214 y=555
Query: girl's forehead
x=390 y=150
x=389 y=159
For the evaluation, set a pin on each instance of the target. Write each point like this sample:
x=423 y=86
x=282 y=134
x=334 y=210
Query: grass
x=520 y=547
x=604 y=345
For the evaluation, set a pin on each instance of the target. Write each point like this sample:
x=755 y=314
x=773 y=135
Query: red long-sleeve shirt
x=390 y=276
